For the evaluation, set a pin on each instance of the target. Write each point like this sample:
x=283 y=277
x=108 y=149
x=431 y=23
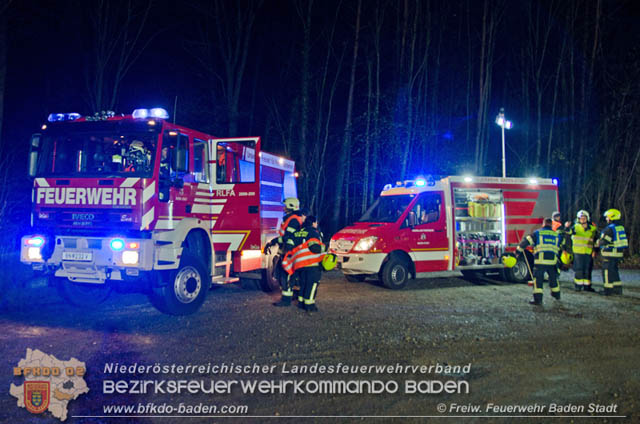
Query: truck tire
x=395 y=274
x=269 y=281
x=184 y=289
x=84 y=295
x=355 y=278
x=519 y=273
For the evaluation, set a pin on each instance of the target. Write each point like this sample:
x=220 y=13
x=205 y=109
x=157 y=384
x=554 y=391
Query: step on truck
x=427 y=228
x=137 y=203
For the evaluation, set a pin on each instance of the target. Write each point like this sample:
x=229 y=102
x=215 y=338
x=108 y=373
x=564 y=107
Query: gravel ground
x=580 y=351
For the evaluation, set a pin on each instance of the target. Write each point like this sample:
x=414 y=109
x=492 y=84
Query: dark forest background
x=359 y=93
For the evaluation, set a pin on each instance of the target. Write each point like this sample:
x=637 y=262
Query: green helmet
x=329 y=261
x=613 y=214
x=292 y=203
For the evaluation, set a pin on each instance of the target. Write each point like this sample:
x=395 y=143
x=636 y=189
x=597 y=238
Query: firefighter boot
x=537 y=299
x=577 y=287
x=588 y=288
x=556 y=295
x=285 y=301
x=617 y=290
x=607 y=291
x=311 y=307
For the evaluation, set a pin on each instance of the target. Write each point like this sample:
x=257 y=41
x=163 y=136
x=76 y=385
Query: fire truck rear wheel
x=84 y=295
x=519 y=273
x=395 y=274
x=269 y=281
x=184 y=290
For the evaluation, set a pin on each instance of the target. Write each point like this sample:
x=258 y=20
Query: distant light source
x=468 y=179
x=533 y=181
x=503 y=123
x=554 y=181
x=420 y=182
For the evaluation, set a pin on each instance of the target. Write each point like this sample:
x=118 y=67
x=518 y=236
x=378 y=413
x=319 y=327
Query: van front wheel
x=395 y=274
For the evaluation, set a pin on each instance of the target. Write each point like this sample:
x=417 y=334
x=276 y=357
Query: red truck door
x=425 y=231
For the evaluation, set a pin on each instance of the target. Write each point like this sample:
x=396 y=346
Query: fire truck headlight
x=365 y=244
x=130 y=257
x=34 y=254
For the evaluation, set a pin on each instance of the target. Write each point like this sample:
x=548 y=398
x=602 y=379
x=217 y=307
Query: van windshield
x=387 y=208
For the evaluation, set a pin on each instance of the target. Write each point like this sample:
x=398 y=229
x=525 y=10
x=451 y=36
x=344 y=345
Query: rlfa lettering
x=86 y=196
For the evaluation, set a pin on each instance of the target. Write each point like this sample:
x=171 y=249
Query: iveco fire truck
x=423 y=227
x=136 y=202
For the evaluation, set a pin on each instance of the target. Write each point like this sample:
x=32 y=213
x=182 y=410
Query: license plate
x=77 y=256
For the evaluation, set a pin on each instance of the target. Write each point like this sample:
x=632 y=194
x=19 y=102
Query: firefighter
x=305 y=260
x=546 y=245
x=557 y=221
x=291 y=222
x=612 y=243
x=583 y=238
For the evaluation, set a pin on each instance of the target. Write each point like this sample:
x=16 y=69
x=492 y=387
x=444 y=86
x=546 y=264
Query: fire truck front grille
x=87 y=218
x=341 y=246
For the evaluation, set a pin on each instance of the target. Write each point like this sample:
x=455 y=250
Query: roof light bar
x=59 y=117
x=156 y=112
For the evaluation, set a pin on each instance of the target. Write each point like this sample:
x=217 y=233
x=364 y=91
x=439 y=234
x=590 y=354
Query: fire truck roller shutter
x=183 y=291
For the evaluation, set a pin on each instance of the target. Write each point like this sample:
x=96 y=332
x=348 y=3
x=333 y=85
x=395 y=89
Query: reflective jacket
x=583 y=239
x=308 y=250
x=546 y=244
x=291 y=223
x=613 y=240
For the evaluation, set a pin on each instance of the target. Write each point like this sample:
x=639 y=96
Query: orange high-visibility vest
x=300 y=257
x=285 y=224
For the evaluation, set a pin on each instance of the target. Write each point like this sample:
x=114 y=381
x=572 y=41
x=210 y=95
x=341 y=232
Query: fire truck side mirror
x=33 y=154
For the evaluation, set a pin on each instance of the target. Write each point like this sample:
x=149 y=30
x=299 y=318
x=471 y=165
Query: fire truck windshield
x=81 y=152
x=387 y=208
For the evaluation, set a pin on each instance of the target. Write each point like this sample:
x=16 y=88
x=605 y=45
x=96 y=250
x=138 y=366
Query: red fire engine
x=423 y=228
x=135 y=201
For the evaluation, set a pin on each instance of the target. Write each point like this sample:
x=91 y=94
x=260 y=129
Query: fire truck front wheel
x=182 y=291
x=395 y=273
x=84 y=295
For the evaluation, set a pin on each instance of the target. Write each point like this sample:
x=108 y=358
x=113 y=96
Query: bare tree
x=118 y=30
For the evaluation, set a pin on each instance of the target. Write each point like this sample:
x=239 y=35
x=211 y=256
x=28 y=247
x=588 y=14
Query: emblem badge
x=36 y=396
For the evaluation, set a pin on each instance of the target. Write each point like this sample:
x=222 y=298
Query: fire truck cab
x=137 y=202
x=426 y=228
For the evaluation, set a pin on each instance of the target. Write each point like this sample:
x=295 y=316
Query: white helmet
x=292 y=203
x=582 y=213
x=136 y=146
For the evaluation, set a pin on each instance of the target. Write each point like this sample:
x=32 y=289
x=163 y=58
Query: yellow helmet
x=509 y=261
x=613 y=214
x=329 y=261
x=292 y=203
x=566 y=258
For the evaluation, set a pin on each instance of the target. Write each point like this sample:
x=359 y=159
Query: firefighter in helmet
x=305 y=261
x=291 y=222
x=546 y=246
x=612 y=243
x=583 y=237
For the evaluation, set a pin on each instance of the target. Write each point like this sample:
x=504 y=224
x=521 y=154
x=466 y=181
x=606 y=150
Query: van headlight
x=365 y=244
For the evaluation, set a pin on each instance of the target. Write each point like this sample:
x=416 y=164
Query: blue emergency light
x=58 y=117
x=156 y=112
x=117 y=244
